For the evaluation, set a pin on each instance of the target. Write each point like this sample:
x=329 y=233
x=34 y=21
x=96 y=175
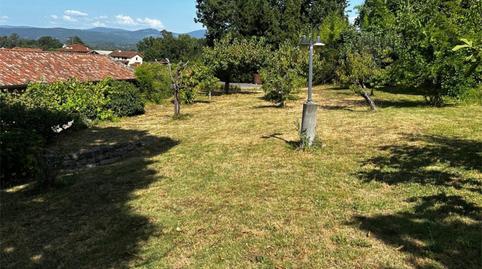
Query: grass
x=225 y=188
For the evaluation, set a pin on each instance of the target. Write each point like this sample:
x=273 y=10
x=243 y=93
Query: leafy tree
x=49 y=43
x=231 y=56
x=277 y=21
x=181 y=48
x=45 y=42
x=284 y=73
x=359 y=70
x=199 y=78
x=421 y=35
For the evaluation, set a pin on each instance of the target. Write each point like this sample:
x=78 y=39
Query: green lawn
x=225 y=188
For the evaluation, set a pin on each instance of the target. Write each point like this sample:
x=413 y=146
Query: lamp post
x=308 y=122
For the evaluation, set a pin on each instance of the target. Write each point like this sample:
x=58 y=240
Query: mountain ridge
x=98 y=37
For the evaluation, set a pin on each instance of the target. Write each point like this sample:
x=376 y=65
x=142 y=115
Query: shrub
x=154 y=81
x=86 y=100
x=24 y=134
x=124 y=99
x=31 y=120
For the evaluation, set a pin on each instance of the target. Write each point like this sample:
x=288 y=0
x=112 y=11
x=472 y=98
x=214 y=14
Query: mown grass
x=223 y=187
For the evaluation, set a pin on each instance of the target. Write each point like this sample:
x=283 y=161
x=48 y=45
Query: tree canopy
x=181 y=48
x=276 y=20
x=14 y=40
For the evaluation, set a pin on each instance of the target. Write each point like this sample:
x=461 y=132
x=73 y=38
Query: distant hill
x=99 y=37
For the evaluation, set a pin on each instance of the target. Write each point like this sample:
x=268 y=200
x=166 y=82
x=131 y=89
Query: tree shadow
x=401 y=103
x=443 y=228
x=85 y=220
x=440 y=228
x=427 y=160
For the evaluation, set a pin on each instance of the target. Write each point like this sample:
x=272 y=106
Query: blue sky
x=174 y=15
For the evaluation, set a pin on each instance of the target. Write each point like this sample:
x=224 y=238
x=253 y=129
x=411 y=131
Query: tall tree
x=181 y=48
x=277 y=20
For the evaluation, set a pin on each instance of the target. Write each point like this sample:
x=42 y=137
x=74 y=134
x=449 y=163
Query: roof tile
x=18 y=68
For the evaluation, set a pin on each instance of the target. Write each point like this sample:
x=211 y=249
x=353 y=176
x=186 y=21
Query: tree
x=358 y=72
x=231 y=56
x=181 y=48
x=421 y=35
x=14 y=40
x=277 y=21
x=48 y=43
x=284 y=74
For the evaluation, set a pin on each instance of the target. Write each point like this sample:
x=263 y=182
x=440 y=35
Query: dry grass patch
x=224 y=187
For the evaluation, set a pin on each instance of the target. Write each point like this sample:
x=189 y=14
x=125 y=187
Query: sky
x=173 y=15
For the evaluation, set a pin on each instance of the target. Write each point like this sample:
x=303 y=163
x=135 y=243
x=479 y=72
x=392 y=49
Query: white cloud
x=145 y=22
x=69 y=18
x=153 y=23
x=3 y=18
x=75 y=13
x=55 y=17
x=125 y=20
x=98 y=24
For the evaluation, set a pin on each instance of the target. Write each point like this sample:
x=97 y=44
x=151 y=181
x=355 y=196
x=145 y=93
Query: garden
x=181 y=169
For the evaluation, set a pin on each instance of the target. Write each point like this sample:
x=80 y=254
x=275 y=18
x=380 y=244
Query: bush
x=24 y=134
x=31 y=120
x=124 y=99
x=154 y=81
x=86 y=100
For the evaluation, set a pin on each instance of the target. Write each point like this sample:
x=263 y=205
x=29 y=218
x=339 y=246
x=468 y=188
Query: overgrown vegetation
x=29 y=121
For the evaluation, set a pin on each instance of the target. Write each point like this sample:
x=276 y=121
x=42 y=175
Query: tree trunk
x=226 y=86
x=177 y=105
x=372 y=92
x=369 y=100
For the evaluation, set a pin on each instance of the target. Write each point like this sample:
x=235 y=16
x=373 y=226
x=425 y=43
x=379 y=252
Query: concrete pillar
x=308 y=124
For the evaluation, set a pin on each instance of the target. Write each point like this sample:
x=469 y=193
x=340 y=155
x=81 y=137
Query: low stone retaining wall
x=101 y=155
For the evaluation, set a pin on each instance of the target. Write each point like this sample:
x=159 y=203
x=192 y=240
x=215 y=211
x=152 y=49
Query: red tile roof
x=77 y=48
x=27 y=49
x=18 y=68
x=124 y=54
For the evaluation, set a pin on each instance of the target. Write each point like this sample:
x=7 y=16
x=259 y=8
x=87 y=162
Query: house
x=129 y=58
x=18 y=68
x=75 y=48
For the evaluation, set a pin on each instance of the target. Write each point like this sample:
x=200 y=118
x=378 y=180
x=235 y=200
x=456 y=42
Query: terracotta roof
x=78 y=48
x=18 y=68
x=124 y=54
x=27 y=49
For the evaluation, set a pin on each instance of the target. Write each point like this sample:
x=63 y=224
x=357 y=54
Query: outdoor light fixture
x=308 y=122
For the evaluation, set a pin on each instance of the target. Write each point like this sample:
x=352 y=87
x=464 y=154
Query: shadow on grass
x=87 y=222
x=401 y=103
x=427 y=160
x=268 y=106
x=439 y=229
x=291 y=144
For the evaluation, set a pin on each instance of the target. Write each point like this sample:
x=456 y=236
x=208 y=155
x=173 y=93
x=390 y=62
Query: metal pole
x=310 y=75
